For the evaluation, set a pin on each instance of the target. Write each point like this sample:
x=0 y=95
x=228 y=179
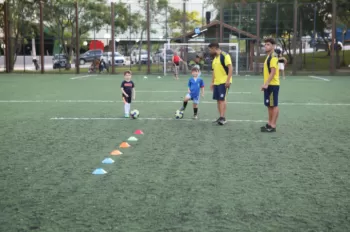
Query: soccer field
x=181 y=175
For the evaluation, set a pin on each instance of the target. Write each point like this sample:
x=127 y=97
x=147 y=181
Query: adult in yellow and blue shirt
x=271 y=85
x=221 y=79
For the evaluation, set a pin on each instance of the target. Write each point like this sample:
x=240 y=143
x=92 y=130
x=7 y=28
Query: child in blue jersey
x=195 y=89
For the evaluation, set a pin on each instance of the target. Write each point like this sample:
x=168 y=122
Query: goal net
x=191 y=53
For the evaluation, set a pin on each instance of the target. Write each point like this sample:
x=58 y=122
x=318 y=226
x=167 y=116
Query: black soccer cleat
x=268 y=129
x=264 y=127
x=222 y=121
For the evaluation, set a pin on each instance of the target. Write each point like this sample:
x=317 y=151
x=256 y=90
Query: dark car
x=60 y=61
x=90 y=56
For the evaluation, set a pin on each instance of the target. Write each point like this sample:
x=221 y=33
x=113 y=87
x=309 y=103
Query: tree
x=139 y=25
x=176 y=21
x=343 y=19
x=93 y=15
x=22 y=25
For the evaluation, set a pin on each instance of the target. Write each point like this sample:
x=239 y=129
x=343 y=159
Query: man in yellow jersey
x=271 y=85
x=221 y=80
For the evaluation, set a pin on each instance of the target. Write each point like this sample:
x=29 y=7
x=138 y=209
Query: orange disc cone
x=116 y=152
x=124 y=145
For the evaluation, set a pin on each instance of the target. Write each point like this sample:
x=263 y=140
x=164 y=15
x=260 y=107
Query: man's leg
x=270 y=112
x=275 y=111
x=222 y=108
x=222 y=102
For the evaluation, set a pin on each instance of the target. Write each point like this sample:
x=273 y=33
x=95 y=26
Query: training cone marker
x=132 y=138
x=116 y=152
x=124 y=145
x=107 y=161
x=138 y=132
x=99 y=171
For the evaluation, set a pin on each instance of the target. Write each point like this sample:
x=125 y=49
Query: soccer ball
x=134 y=114
x=179 y=114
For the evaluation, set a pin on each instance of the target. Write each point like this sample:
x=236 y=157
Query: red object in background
x=96 y=44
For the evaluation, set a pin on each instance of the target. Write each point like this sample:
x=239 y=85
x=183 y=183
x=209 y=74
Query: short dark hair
x=270 y=40
x=127 y=72
x=214 y=45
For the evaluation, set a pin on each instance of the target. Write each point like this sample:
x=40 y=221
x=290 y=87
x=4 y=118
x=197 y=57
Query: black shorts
x=220 y=92
x=126 y=99
x=271 y=95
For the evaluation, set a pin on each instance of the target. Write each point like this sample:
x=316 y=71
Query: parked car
x=119 y=59
x=159 y=55
x=135 y=57
x=90 y=56
x=60 y=61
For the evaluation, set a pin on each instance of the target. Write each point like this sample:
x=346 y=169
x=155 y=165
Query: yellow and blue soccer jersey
x=273 y=64
x=220 y=75
x=195 y=85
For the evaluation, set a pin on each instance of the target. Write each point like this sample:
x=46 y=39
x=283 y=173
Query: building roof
x=235 y=30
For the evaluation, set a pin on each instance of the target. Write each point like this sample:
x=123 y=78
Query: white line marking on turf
x=162 y=119
x=177 y=91
x=203 y=102
x=78 y=77
x=319 y=78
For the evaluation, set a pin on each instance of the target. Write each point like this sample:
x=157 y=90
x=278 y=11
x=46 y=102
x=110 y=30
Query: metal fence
x=52 y=37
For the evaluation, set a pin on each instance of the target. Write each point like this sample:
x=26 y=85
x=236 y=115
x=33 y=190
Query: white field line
x=202 y=102
x=162 y=119
x=177 y=91
x=319 y=78
x=78 y=77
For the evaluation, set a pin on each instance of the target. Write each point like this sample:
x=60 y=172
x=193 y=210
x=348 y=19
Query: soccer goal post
x=188 y=53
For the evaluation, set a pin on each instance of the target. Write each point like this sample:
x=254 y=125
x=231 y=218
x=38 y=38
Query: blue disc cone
x=107 y=161
x=99 y=171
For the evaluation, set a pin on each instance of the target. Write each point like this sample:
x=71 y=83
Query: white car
x=136 y=57
x=118 y=58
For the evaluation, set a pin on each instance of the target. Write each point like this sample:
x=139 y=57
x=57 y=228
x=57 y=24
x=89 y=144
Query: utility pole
x=77 y=44
x=221 y=20
x=295 y=34
x=148 y=38
x=333 y=44
x=112 y=36
x=42 y=52
x=258 y=37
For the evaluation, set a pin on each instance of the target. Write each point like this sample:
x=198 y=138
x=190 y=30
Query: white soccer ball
x=179 y=114
x=134 y=114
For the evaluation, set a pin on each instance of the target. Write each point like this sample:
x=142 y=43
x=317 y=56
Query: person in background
x=197 y=61
x=176 y=62
x=282 y=63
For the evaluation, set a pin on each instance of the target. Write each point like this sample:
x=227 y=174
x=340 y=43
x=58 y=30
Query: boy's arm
x=133 y=93
x=124 y=92
x=189 y=86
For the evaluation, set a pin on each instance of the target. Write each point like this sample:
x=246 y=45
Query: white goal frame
x=171 y=45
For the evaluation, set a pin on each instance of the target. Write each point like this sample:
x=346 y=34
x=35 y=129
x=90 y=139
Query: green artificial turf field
x=181 y=175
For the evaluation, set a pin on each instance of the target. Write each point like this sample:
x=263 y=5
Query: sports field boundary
x=151 y=119
x=79 y=77
x=319 y=78
x=178 y=101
